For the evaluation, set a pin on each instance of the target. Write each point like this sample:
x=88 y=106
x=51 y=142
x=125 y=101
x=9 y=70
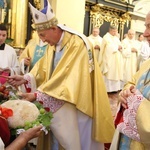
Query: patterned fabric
x=49 y=103
x=128 y=125
x=143 y=86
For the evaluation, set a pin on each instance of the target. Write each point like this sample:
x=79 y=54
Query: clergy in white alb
x=110 y=60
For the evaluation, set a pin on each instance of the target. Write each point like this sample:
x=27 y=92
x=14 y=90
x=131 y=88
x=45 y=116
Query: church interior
x=85 y=13
x=81 y=15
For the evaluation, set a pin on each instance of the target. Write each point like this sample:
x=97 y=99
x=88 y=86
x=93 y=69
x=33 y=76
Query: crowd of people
x=110 y=60
x=72 y=75
x=119 y=59
x=132 y=120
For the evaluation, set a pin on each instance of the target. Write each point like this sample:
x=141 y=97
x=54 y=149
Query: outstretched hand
x=16 y=80
x=125 y=94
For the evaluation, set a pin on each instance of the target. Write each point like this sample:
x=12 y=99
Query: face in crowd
x=141 y=37
x=131 y=34
x=3 y=36
x=147 y=30
x=95 y=32
x=51 y=35
x=113 y=32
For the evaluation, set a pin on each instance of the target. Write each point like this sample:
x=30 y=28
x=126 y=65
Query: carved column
x=19 y=22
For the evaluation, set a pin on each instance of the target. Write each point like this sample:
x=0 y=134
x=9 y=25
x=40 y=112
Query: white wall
x=138 y=25
x=70 y=12
x=138 y=15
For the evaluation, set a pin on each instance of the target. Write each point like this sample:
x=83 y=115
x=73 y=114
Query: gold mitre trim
x=46 y=25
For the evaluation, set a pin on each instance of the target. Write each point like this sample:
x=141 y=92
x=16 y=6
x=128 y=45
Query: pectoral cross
x=39 y=51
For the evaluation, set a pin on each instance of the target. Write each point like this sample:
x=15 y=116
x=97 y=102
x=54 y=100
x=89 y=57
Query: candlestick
x=2 y=15
x=9 y=16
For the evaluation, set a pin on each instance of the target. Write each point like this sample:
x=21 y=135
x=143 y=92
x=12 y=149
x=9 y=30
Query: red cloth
x=3 y=80
x=119 y=117
x=4 y=131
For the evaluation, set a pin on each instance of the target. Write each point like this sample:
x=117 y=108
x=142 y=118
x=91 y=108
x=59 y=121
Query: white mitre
x=43 y=19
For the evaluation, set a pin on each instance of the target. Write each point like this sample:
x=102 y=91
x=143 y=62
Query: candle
x=3 y=16
x=9 y=16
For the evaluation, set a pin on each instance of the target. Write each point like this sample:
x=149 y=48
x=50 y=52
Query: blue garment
x=57 y=57
x=143 y=84
x=124 y=143
x=55 y=144
x=1 y=3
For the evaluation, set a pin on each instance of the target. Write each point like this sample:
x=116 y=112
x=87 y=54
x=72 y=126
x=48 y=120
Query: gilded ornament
x=100 y=14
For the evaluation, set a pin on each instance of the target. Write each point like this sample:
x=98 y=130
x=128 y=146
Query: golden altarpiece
x=103 y=12
x=15 y=14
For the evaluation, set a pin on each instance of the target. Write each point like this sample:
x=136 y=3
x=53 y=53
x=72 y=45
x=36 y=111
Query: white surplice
x=8 y=59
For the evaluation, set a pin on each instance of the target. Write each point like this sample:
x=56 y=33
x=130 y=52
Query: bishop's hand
x=16 y=80
x=28 y=96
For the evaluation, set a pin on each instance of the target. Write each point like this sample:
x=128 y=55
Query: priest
x=69 y=84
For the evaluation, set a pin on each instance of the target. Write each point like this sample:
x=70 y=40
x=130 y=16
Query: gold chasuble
x=72 y=82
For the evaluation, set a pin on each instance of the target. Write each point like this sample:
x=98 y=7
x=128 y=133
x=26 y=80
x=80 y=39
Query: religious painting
x=5 y=11
x=16 y=15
